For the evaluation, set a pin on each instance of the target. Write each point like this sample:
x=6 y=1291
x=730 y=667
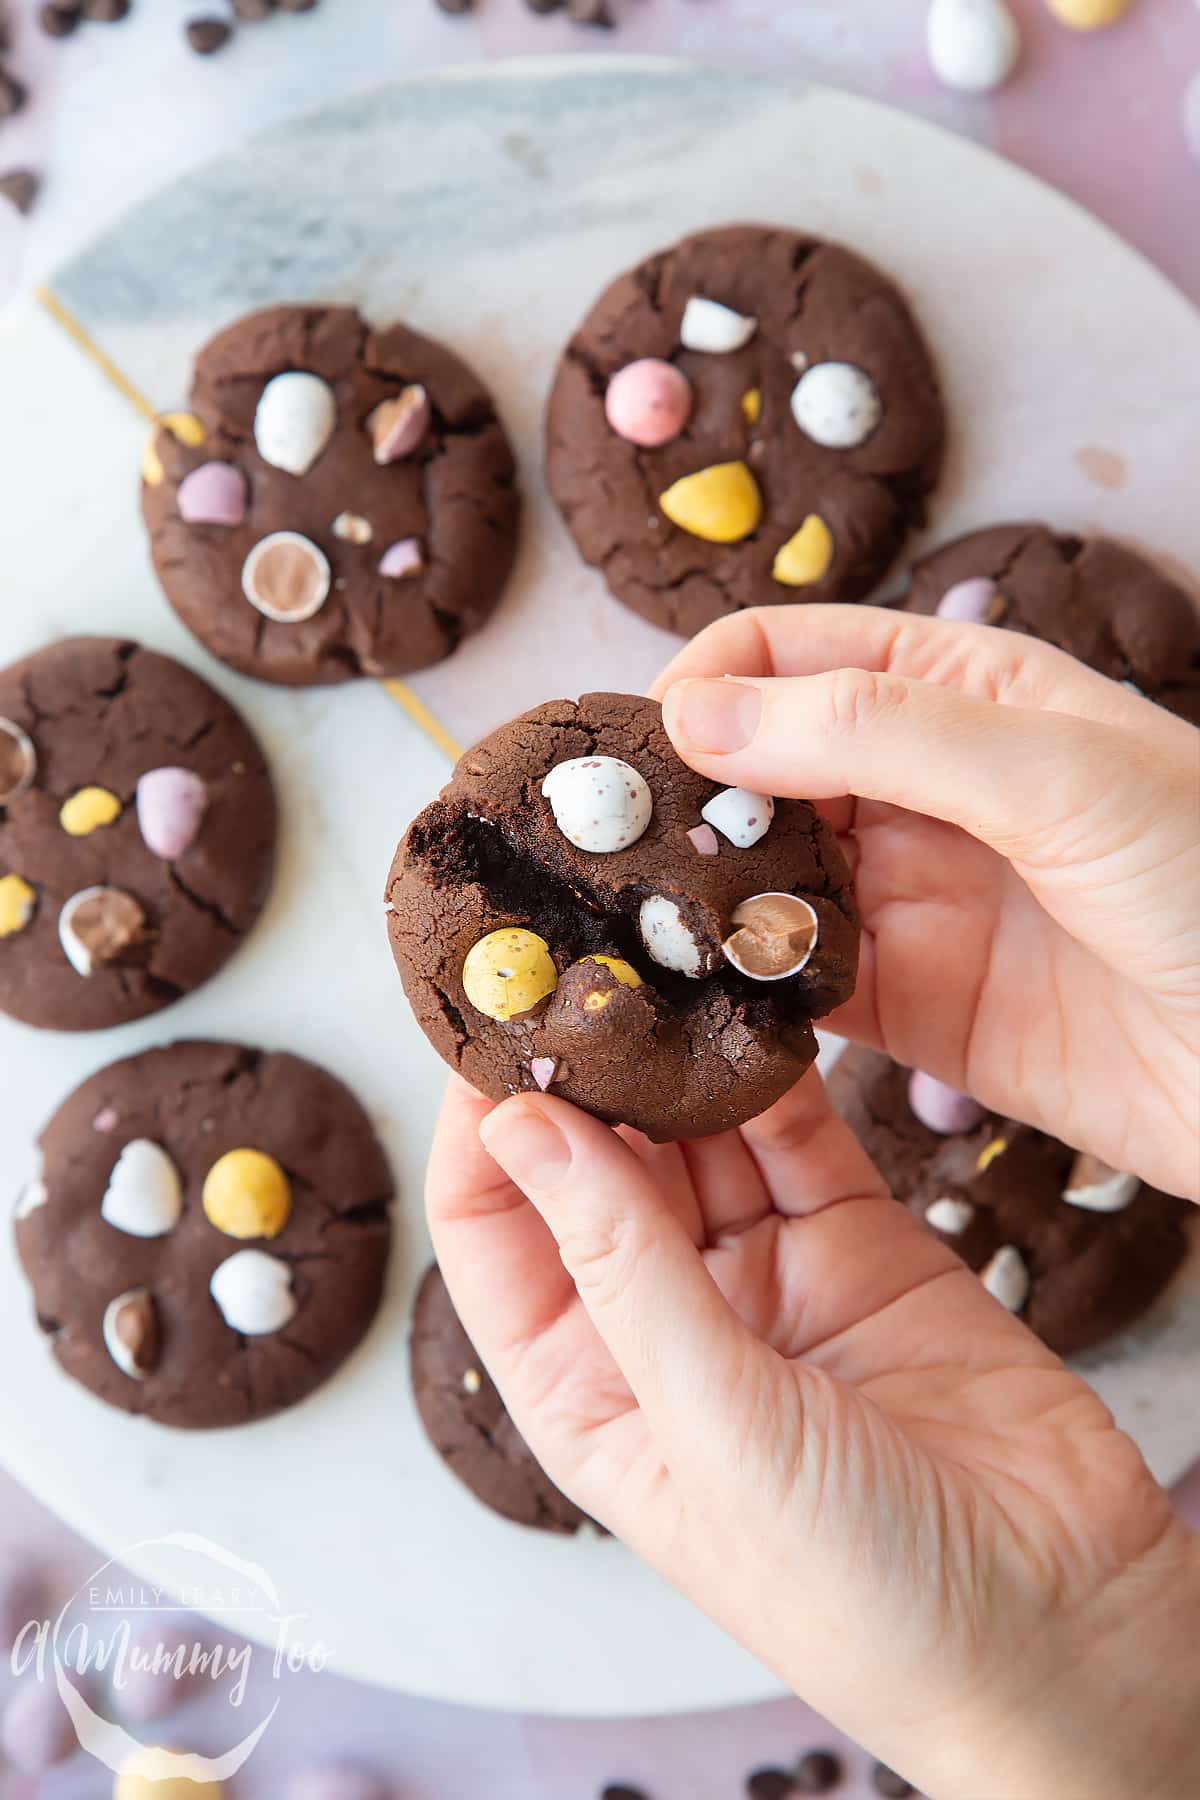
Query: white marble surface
x=481 y=210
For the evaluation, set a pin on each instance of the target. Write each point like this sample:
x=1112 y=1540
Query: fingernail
x=526 y=1144
x=713 y=717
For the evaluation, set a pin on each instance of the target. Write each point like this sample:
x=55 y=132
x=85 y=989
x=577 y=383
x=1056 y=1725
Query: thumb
x=641 y=1279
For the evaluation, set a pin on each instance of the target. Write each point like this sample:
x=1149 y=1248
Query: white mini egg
x=1006 y=1278
x=717 y=329
x=254 y=1293
x=669 y=938
x=144 y=1196
x=740 y=815
x=294 y=421
x=837 y=405
x=972 y=45
x=600 y=803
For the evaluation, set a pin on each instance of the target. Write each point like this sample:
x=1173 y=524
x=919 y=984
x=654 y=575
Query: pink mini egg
x=400 y=559
x=213 y=494
x=648 y=402
x=170 y=806
x=940 y=1108
x=970 y=602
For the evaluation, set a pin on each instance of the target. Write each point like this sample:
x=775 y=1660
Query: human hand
x=755 y=1367
x=1026 y=851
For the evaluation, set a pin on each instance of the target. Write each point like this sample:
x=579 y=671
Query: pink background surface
x=1113 y=119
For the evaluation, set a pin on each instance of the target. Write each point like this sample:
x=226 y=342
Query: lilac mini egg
x=940 y=1108
x=969 y=602
x=402 y=558
x=648 y=402
x=36 y=1730
x=170 y=807
x=213 y=494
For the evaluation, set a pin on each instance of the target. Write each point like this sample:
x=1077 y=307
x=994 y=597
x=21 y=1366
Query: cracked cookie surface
x=100 y=714
x=468 y=1424
x=1089 y=1273
x=197 y=1102
x=1092 y=597
x=814 y=306
x=677 y=1055
x=446 y=505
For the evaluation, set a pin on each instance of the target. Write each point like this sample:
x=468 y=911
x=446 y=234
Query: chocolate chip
x=106 y=12
x=12 y=94
x=770 y=1784
x=887 y=1781
x=206 y=36
x=20 y=188
x=58 y=21
x=617 y=1791
x=818 y=1772
x=590 y=12
x=252 y=10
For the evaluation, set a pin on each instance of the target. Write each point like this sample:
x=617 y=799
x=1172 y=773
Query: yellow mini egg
x=1088 y=15
x=721 y=504
x=752 y=405
x=185 y=428
x=989 y=1153
x=508 y=973
x=246 y=1195
x=87 y=810
x=17 y=901
x=625 y=972
x=806 y=556
x=156 y=1774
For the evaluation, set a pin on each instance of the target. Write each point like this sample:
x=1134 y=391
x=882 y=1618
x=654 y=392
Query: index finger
x=978 y=660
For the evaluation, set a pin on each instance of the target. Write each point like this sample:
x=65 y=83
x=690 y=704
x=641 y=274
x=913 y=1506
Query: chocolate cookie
x=1090 y=596
x=137 y=833
x=750 y=418
x=207 y=1237
x=339 y=502
x=468 y=1424
x=1077 y=1249
x=581 y=912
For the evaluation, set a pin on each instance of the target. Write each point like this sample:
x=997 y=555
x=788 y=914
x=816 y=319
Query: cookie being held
x=1092 y=597
x=137 y=833
x=207 y=1236
x=579 y=912
x=340 y=501
x=747 y=419
x=1078 y=1250
x=468 y=1423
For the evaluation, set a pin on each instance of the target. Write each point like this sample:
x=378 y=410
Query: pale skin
x=770 y=1380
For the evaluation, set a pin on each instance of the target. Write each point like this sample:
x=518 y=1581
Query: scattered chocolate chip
x=887 y=1781
x=207 y=36
x=58 y=21
x=591 y=12
x=20 y=188
x=770 y=1784
x=106 y=12
x=617 y=1791
x=12 y=94
x=818 y=1772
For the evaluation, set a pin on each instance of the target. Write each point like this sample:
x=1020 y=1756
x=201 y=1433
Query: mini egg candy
x=185 y=428
x=17 y=901
x=621 y=970
x=253 y=1292
x=131 y=1333
x=213 y=494
x=18 y=761
x=294 y=421
x=721 y=504
x=398 y=426
x=940 y=1108
x=600 y=804
x=32 y=1197
x=36 y=1731
x=703 y=840
x=247 y=1195
x=740 y=815
x=343 y=1781
x=1097 y=1188
x=1006 y=1278
x=155 y=1773
x=711 y=327
x=973 y=45
x=972 y=602
x=1088 y=15
x=670 y=940
x=991 y=1152
x=775 y=937
x=352 y=528
x=752 y=406
x=509 y=972
x=24 y=1595
x=286 y=577
x=403 y=558
x=87 y=810
x=949 y=1216
x=144 y=1196
x=96 y=925
x=171 y=804
x=837 y=405
x=648 y=402
x=543 y=1069
x=806 y=556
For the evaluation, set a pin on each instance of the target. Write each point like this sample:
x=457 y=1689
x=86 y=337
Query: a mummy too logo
x=123 y=1652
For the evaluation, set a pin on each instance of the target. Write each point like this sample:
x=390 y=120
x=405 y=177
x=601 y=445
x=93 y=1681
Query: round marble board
x=490 y=209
